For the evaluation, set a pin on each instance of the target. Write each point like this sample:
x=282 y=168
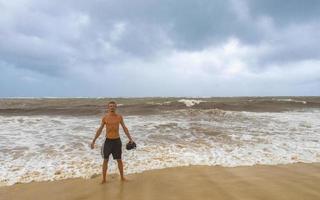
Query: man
x=112 y=144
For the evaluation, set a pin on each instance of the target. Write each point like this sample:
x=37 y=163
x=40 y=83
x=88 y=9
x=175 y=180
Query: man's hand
x=92 y=145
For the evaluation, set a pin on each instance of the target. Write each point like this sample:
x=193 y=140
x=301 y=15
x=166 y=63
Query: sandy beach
x=293 y=181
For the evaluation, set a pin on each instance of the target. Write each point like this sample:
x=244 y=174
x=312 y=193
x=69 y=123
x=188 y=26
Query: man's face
x=112 y=107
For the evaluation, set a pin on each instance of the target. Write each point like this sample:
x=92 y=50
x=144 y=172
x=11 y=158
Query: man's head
x=112 y=105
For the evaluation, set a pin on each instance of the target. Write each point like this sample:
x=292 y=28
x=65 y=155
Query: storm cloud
x=159 y=48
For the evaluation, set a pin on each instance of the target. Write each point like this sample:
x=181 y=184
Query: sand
x=294 y=181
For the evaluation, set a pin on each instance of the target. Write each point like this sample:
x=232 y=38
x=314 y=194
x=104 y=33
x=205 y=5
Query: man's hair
x=112 y=102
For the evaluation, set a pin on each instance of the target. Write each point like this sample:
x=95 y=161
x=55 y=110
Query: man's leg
x=120 y=166
x=104 y=170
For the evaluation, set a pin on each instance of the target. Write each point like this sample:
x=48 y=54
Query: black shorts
x=112 y=146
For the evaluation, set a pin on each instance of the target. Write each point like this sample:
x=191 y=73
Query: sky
x=117 y=48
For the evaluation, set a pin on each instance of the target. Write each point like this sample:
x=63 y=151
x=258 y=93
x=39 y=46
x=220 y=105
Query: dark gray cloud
x=286 y=12
x=65 y=44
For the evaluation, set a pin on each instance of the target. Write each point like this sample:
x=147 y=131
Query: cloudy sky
x=140 y=48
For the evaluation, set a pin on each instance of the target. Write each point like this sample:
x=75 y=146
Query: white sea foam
x=156 y=103
x=190 y=102
x=36 y=148
x=290 y=100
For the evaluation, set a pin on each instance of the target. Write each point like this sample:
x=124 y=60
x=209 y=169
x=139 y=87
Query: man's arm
x=98 y=133
x=125 y=129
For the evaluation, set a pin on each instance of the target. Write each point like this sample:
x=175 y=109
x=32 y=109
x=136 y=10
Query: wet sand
x=294 y=181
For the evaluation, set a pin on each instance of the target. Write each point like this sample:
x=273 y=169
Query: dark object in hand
x=131 y=145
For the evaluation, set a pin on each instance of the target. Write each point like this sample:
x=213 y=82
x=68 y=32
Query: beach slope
x=294 y=181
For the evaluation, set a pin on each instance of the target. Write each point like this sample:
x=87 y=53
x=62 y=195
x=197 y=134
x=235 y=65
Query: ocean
x=49 y=138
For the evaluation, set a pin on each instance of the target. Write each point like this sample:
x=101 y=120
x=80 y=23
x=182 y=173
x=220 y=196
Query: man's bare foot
x=124 y=179
x=103 y=181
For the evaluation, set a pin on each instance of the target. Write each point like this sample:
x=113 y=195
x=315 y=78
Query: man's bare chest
x=112 y=122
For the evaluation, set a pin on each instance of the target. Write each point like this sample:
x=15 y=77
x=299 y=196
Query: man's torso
x=112 y=125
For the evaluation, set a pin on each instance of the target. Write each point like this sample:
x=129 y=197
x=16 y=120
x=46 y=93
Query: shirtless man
x=112 y=144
